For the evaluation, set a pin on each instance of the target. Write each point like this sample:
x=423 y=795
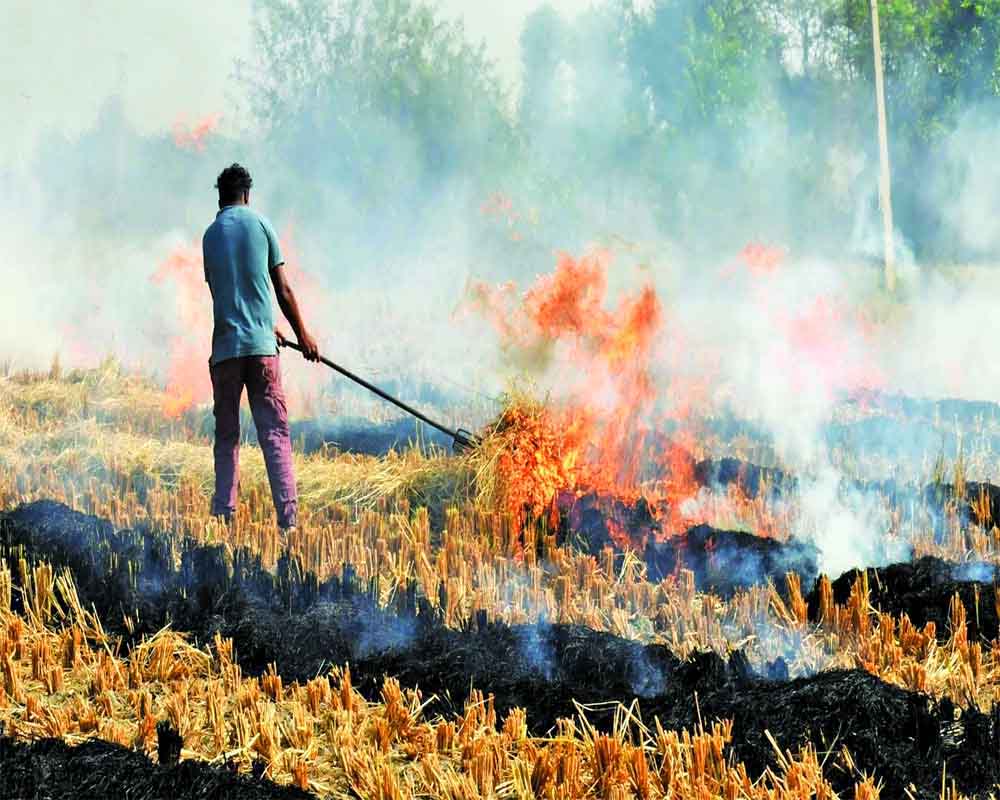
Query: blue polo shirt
x=239 y=250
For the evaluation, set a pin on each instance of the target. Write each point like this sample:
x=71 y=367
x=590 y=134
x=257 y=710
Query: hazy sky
x=169 y=60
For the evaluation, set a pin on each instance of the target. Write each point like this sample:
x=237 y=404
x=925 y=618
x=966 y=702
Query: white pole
x=884 y=184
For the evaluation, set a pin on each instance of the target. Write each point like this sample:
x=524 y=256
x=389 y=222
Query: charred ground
x=52 y=769
x=305 y=627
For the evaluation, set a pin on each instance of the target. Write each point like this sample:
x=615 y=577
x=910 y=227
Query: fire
x=188 y=380
x=309 y=291
x=761 y=259
x=832 y=341
x=537 y=457
x=500 y=207
x=174 y=406
x=192 y=136
x=601 y=439
x=624 y=434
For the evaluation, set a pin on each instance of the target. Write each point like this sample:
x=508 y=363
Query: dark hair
x=232 y=182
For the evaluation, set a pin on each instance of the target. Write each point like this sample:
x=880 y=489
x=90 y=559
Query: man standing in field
x=242 y=261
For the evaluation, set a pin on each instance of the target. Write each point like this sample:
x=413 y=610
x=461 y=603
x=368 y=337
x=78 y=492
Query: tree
x=813 y=35
x=543 y=48
x=700 y=62
x=380 y=102
x=941 y=59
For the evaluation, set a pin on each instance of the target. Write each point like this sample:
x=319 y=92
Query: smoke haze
x=399 y=161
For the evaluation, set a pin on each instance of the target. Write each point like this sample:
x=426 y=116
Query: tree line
x=704 y=122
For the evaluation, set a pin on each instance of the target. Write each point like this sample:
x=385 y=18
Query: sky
x=169 y=60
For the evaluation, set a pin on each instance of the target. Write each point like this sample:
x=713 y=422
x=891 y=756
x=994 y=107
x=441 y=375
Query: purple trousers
x=262 y=377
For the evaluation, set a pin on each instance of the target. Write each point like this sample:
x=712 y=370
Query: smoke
x=398 y=169
x=161 y=68
x=850 y=528
x=980 y=571
x=374 y=634
x=80 y=297
x=969 y=177
x=536 y=650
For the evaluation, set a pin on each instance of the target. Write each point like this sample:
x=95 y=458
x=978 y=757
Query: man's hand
x=282 y=339
x=309 y=347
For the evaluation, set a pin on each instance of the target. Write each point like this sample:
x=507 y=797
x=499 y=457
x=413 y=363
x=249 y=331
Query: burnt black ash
x=901 y=737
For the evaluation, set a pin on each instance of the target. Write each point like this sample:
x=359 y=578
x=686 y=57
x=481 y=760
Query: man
x=242 y=261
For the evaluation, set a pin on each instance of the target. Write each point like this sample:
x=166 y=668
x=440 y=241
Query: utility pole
x=884 y=183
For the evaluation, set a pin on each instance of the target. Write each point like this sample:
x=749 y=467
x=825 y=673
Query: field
x=422 y=637
x=710 y=284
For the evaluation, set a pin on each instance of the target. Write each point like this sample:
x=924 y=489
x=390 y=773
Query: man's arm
x=290 y=308
x=204 y=265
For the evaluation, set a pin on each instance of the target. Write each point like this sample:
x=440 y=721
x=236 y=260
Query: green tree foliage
x=703 y=82
x=941 y=61
x=378 y=122
x=543 y=48
x=576 y=117
x=379 y=103
x=813 y=34
x=114 y=182
x=700 y=62
x=940 y=56
x=631 y=113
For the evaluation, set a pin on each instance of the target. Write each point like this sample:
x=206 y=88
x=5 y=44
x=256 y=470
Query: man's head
x=234 y=184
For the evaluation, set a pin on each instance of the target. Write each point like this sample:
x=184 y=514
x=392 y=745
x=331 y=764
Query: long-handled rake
x=461 y=439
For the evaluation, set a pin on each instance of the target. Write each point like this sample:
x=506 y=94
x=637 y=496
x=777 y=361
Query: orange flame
x=604 y=439
x=761 y=259
x=188 y=380
x=500 y=208
x=192 y=136
x=600 y=440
